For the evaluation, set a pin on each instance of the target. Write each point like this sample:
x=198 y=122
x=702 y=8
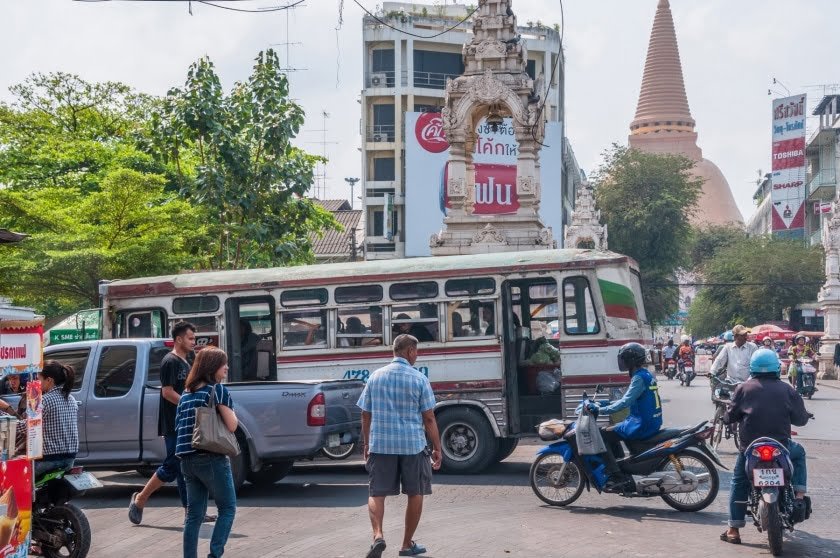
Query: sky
x=731 y=52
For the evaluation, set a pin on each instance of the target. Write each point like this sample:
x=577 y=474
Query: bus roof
x=363 y=271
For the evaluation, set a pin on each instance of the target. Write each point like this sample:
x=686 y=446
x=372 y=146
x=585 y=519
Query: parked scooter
x=59 y=528
x=677 y=465
x=771 y=502
x=670 y=368
x=806 y=382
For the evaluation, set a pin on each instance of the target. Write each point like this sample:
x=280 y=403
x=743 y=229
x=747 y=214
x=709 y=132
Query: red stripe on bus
x=593 y=379
x=621 y=311
x=598 y=343
x=468 y=385
x=388 y=354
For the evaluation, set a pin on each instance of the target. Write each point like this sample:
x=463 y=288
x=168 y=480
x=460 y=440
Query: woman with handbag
x=204 y=465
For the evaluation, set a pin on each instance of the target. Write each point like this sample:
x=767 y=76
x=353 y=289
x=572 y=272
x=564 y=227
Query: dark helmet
x=631 y=356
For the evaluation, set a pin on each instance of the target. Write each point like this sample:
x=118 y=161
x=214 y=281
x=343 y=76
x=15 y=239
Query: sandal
x=731 y=540
x=376 y=549
x=413 y=550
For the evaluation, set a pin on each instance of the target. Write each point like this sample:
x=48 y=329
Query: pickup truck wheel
x=469 y=444
x=270 y=473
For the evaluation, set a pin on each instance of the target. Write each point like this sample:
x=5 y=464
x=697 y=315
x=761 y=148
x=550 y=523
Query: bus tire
x=468 y=442
x=506 y=448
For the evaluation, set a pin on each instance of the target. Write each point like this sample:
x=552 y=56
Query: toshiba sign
x=494 y=164
x=788 y=160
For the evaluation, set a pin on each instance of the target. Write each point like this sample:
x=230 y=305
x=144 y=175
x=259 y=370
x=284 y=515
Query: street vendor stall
x=21 y=353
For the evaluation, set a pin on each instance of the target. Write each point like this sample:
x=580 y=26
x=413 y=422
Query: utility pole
x=352 y=240
x=352 y=182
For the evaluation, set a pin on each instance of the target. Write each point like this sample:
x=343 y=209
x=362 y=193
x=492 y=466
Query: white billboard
x=426 y=156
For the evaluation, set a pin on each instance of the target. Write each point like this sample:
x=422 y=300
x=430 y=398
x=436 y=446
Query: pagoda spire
x=663 y=104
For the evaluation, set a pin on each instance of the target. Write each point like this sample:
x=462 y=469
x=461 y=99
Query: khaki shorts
x=387 y=472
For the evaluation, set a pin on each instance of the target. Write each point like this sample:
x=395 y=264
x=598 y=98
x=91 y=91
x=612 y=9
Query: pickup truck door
x=112 y=417
x=81 y=361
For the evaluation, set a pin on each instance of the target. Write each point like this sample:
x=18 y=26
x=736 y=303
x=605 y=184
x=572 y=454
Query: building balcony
x=386 y=79
x=822 y=185
x=381 y=133
x=432 y=80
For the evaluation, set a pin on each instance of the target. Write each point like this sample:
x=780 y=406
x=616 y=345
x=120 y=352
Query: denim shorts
x=387 y=472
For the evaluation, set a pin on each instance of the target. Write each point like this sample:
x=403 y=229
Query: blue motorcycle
x=677 y=465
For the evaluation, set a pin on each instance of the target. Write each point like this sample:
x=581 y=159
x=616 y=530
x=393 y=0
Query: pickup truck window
x=156 y=355
x=115 y=372
x=77 y=358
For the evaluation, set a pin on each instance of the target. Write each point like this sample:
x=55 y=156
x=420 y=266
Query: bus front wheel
x=468 y=442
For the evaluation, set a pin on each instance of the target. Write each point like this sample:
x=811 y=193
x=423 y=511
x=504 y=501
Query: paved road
x=319 y=510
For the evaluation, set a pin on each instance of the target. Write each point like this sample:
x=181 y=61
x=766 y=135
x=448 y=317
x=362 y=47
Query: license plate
x=768 y=477
x=689 y=369
x=333 y=440
x=83 y=481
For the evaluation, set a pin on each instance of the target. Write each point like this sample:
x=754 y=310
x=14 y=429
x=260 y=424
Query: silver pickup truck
x=118 y=390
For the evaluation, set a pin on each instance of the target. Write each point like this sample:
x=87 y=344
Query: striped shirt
x=396 y=395
x=185 y=416
x=60 y=420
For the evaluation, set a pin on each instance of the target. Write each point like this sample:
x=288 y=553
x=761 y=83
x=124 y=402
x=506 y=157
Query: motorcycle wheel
x=70 y=524
x=705 y=493
x=719 y=427
x=771 y=522
x=554 y=481
x=339 y=452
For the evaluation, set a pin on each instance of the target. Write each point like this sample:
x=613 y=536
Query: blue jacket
x=642 y=397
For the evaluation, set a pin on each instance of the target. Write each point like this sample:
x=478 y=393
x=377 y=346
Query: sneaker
x=800 y=511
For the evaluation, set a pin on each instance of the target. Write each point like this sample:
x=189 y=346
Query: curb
x=831 y=386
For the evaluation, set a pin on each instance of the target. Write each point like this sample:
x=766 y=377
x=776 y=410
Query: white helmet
x=685 y=338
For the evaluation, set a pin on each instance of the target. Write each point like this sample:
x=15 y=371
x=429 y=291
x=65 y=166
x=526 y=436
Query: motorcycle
x=771 y=502
x=676 y=465
x=722 y=389
x=670 y=368
x=59 y=528
x=806 y=384
x=687 y=372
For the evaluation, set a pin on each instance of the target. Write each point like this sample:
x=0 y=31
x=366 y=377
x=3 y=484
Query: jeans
x=47 y=465
x=741 y=485
x=170 y=469
x=202 y=472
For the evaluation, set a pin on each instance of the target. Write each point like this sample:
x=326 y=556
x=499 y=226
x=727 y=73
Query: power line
x=765 y=284
x=212 y=4
x=403 y=31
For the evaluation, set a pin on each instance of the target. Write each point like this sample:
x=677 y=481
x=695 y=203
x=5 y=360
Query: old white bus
x=507 y=340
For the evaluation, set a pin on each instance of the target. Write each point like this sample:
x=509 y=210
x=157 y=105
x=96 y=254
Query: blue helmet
x=765 y=361
x=729 y=337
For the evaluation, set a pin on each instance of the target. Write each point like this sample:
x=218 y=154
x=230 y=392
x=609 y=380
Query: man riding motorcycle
x=685 y=355
x=644 y=420
x=734 y=358
x=764 y=406
x=799 y=349
x=669 y=350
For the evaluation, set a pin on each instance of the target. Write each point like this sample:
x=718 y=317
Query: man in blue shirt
x=645 y=418
x=398 y=412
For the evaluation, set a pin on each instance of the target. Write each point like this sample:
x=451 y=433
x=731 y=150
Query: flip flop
x=376 y=549
x=413 y=550
x=731 y=540
x=135 y=512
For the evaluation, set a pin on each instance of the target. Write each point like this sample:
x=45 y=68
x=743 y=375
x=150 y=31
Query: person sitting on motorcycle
x=799 y=349
x=59 y=416
x=685 y=353
x=669 y=350
x=764 y=406
x=734 y=358
x=644 y=420
x=767 y=343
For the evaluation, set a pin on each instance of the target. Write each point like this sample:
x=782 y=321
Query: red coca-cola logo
x=429 y=132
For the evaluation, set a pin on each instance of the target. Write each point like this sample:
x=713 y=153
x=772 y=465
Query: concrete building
x=761 y=221
x=405 y=73
x=822 y=152
x=663 y=121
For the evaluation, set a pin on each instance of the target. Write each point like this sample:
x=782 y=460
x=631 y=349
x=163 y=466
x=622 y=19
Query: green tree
x=130 y=226
x=752 y=281
x=710 y=239
x=647 y=199
x=234 y=157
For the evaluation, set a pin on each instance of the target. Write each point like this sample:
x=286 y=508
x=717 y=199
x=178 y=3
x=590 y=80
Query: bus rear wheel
x=468 y=442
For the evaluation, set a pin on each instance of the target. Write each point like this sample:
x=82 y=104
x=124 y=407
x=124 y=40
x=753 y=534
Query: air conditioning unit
x=378 y=80
x=379 y=137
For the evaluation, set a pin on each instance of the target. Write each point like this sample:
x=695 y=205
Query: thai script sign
x=788 y=159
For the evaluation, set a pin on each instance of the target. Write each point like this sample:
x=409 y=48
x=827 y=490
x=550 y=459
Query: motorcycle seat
x=671 y=433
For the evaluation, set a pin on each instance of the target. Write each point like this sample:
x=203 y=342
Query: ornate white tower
x=494 y=85
x=586 y=230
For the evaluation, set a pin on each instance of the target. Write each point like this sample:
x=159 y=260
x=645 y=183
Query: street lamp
x=352 y=183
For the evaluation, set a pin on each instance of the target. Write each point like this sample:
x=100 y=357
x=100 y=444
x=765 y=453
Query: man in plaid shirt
x=398 y=411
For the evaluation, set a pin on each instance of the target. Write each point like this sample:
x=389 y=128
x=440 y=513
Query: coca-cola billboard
x=494 y=158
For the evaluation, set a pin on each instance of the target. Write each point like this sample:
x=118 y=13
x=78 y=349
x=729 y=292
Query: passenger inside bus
x=353 y=332
x=457 y=325
x=248 y=345
x=418 y=330
x=488 y=318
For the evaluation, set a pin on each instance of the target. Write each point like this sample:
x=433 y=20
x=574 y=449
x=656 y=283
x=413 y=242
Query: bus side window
x=472 y=318
x=578 y=309
x=304 y=329
x=359 y=327
x=419 y=320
